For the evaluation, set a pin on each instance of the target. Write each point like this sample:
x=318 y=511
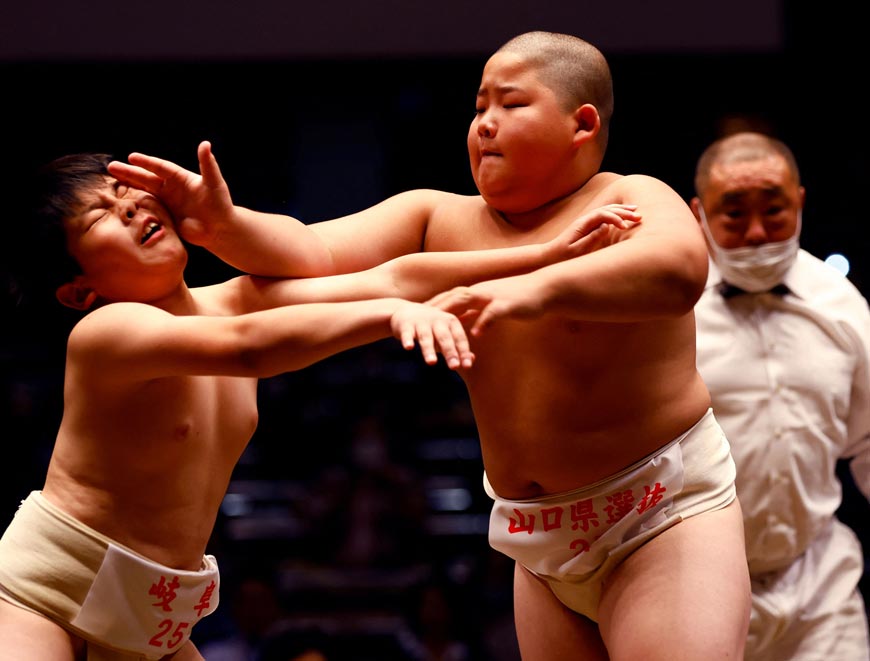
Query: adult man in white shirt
x=784 y=347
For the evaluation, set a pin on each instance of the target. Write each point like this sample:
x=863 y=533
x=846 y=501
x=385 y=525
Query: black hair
x=52 y=195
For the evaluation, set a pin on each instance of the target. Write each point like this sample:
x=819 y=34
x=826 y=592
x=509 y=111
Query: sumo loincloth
x=123 y=604
x=575 y=540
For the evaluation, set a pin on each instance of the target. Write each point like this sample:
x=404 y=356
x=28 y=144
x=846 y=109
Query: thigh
x=683 y=595
x=187 y=653
x=25 y=636
x=546 y=629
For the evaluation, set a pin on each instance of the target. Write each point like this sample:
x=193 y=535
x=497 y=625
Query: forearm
x=415 y=277
x=627 y=282
x=291 y=338
x=270 y=245
x=136 y=343
x=420 y=276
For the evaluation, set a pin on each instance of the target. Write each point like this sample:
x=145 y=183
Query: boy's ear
x=76 y=294
x=588 y=123
x=695 y=205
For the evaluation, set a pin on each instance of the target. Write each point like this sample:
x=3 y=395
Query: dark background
x=322 y=109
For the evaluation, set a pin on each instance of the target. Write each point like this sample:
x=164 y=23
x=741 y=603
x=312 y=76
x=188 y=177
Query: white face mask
x=754 y=268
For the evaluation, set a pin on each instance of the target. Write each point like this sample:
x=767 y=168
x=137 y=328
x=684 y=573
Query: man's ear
x=76 y=294
x=588 y=123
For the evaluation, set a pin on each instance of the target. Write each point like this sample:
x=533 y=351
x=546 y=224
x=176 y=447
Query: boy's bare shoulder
x=441 y=202
x=641 y=182
x=119 y=311
x=600 y=189
x=109 y=322
x=459 y=222
x=422 y=199
x=437 y=203
x=611 y=188
x=455 y=202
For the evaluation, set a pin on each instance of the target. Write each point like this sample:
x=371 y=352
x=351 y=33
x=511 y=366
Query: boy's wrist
x=220 y=230
x=548 y=253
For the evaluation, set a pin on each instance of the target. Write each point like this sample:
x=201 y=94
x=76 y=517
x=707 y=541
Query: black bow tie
x=728 y=290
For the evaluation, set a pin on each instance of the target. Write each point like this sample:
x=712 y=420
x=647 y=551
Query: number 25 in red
x=176 y=637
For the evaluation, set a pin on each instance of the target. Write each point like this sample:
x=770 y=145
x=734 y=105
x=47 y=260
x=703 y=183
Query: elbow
x=401 y=280
x=692 y=279
x=686 y=296
x=251 y=362
x=685 y=281
x=251 y=353
x=315 y=263
x=263 y=363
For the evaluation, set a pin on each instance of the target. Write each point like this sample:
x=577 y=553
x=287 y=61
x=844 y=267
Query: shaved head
x=741 y=148
x=573 y=68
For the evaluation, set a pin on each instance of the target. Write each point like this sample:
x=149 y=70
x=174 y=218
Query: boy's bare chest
x=214 y=406
x=199 y=409
x=483 y=228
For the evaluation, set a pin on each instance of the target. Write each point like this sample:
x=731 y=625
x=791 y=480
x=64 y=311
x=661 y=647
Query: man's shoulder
x=815 y=278
x=826 y=291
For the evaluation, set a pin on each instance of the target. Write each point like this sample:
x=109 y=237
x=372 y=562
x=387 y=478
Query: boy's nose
x=128 y=210
x=486 y=127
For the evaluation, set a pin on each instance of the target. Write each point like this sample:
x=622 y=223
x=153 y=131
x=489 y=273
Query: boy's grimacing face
x=124 y=241
x=521 y=137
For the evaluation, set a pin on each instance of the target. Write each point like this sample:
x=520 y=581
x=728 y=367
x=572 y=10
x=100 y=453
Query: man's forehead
x=761 y=173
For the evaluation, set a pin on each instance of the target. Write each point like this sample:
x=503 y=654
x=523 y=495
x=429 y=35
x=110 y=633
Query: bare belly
x=558 y=409
x=164 y=520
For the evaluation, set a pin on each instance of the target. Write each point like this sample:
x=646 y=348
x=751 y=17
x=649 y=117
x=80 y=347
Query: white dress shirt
x=790 y=380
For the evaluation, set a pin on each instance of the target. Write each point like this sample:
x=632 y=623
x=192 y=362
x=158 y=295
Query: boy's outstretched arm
x=273 y=245
x=203 y=209
x=133 y=343
x=419 y=276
